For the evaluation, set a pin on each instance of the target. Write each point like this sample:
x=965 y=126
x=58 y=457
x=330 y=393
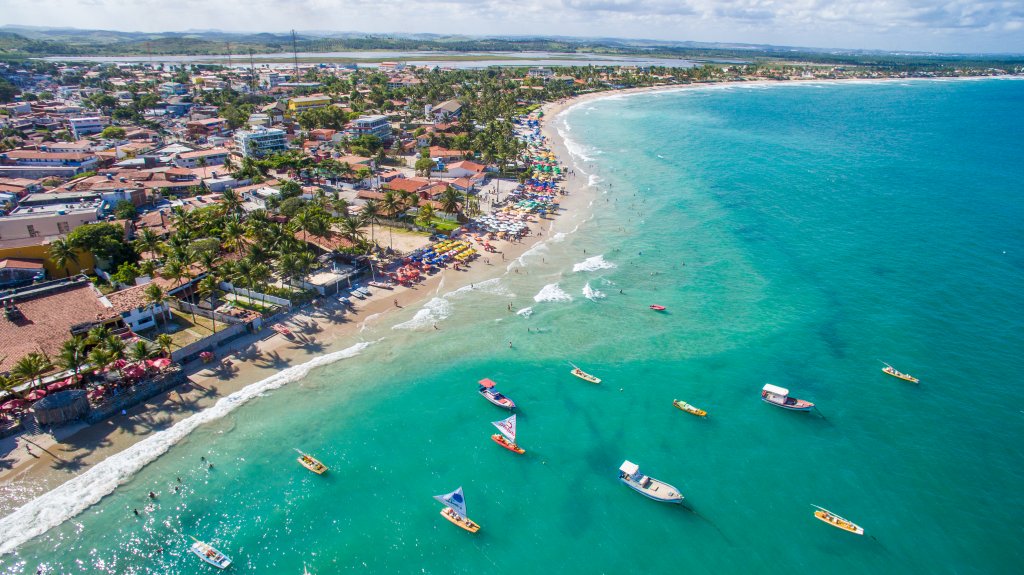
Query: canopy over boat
x=507 y=427
x=775 y=389
x=629 y=468
x=455 y=500
x=485 y=382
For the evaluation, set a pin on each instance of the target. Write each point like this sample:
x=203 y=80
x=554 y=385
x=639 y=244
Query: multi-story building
x=260 y=142
x=303 y=103
x=51 y=215
x=371 y=126
x=36 y=164
x=85 y=125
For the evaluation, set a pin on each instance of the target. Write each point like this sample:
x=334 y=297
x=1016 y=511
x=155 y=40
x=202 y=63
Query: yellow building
x=303 y=103
x=39 y=249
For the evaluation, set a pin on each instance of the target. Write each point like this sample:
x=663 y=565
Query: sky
x=912 y=25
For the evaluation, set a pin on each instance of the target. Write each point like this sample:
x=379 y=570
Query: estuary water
x=797 y=234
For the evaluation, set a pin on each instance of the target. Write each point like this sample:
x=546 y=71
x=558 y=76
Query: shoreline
x=85 y=457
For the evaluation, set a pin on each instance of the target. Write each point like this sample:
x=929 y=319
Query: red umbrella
x=161 y=363
x=13 y=404
x=60 y=384
x=36 y=394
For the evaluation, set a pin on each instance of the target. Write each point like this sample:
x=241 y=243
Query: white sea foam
x=552 y=293
x=593 y=264
x=537 y=250
x=594 y=180
x=76 y=495
x=525 y=312
x=592 y=294
x=577 y=150
x=492 y=286
x=432 y=312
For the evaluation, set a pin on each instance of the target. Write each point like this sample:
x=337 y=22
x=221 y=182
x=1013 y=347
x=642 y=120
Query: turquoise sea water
x=823 y=228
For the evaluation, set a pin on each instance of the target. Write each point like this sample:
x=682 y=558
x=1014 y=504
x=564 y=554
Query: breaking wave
x=552 y=293
x=592 y=294
x=432 y=312
x=593 y=264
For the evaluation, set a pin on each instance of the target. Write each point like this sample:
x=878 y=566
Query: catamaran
x=311 y=463
x=486 y=390
x=584 y=375
x=837 y=521
x=207 y=553
x=507 y=437
x=779 y=396
x=896 y=373
x=689 y=408
x=455 y=510
x=629 y=473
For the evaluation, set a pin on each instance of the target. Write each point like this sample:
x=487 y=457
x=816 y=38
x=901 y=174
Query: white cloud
x=949 y=25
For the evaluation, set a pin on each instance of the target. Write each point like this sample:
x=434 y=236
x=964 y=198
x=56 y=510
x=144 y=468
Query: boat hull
x=463 y=522
x=502 y=441
x=796 y=405
x=682 y=405
x=672 y=494
x=201 y=552
x=900 y=375
x=504 y=402
x=585 y=376
x=312 y=465
x=847 y=526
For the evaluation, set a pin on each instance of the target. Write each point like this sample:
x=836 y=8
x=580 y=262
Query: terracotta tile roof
x=19 y=264
x=46 y=320
x=334 y=242
x=128 y=299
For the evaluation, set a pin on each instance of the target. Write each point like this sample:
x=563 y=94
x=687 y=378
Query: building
x=86 y=125
x=45 y=215
x=371 y=126
x=213 y=157
x=136 y=312
x=301 y=104
x=15 y=272
x=208 y=127
x=260 y=142
x=446 y=110
x=35 y=164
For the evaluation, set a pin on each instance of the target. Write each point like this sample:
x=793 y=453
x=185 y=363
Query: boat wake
x=432 y=312
x=76 y=495
x=593 y=264
x=552 y=293
x=592 y=294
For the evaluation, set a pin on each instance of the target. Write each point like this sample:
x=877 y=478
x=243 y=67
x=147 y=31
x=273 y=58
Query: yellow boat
x=689 y=408
x=311 y=463
x=898 y=374
x=837 y=521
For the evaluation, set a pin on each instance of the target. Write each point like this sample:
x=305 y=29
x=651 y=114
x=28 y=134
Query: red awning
x=487 y=382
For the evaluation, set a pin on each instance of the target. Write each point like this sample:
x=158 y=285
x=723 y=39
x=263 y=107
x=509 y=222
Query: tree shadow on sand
x=273 y=360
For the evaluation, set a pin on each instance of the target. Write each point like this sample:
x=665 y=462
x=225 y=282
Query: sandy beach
x=52 y=459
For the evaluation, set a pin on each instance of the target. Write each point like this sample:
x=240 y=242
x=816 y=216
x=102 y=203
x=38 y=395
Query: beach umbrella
x=13 y=404
x=36 y=394
x=60 y=384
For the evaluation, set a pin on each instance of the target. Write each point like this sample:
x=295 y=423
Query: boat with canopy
x=208 y=553
x=898 y=374
x=629 y=473
x=455 y=510
x=584 y=375
x=689 y=408
x=779 y=396
x=507 y=437
x=311 y=463
x=487 y=390
x=837 y=521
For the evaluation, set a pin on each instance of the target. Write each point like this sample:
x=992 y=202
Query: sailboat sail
x=507 y=427
x=455 y=500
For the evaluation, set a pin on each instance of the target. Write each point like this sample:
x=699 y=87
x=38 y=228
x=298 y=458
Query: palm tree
x=141 y=351
x=178 y=271
x=72 y=355
x=165 y=341
x=209 y=288
x=31 y=367
x=230 y=201
x=156 y=297
x=391 y=205
x=97 y=335
x=450 y=200
x=116 y=347
x=371 y=215
x=234 y=235
x=351 y=229
x=62 y=252
x=147 y=241
x=425 y=216
x=9 y=384
x=202 y=164
x=100 y=358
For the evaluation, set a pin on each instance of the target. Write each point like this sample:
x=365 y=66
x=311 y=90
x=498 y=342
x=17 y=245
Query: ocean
x=797 y=234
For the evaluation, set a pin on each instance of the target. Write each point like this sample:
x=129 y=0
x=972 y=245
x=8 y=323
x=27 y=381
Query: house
x=207 y=127
x=212 y=157
x=33 y=164
x=301 y=104
x=45 y=215
x=437 y=153
x=446 y=110
x=135 y=311
x=15 y=272
x=462 y=169
x=86 y=125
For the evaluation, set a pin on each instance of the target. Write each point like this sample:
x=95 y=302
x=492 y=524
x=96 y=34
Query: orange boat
x=507 y=437
x=837 y=521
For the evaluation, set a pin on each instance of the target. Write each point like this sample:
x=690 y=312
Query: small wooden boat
x=837 y=521
x=486 y=390
x=779 y=396
x=898 y=374
x=362 y=291
x=584 y=375
x=283 y=331
x=311 y=463
x=356 y=294
x=507 y=437
x=207 y=553
x=629 y=473
x=657 y=307
x=455 y=510
x=689 y=408
x=382 y=285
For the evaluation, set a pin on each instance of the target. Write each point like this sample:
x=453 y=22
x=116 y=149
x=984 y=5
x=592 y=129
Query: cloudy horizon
x=992 y=26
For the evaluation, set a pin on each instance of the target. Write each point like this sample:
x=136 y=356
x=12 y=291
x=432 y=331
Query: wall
x=257 y=296
x=40 y=251
x=136 y=395
x=192 y=351
x=15 y=226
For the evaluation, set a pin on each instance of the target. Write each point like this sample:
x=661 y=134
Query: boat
x=584 y=375
x=455 y=510
x=629 y=473
x=345 y=301
x=382 y=285
x=207 y=553
x=362 y=291
x=657 y=307
x=837 y=521
x=356 y=293
x=507 y=437
x=779 y=396
x=487 y=390
x=311 y=463
x=898 y=374
x=689 y=408
x=283 y=331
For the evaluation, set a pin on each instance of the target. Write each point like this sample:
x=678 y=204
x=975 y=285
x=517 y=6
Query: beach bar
x=61 y=407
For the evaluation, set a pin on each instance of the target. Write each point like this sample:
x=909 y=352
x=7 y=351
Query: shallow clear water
x=823 y=228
